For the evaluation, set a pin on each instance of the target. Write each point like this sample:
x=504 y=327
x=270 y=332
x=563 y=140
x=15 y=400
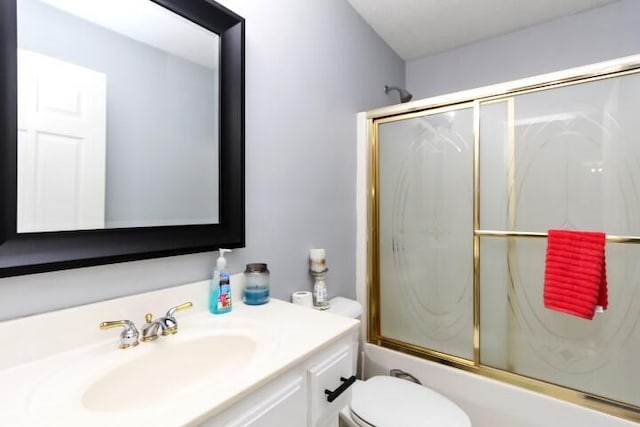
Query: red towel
x=575 y=276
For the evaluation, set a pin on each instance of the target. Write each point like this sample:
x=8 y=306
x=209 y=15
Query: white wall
x=310 y=66
x=596 y=35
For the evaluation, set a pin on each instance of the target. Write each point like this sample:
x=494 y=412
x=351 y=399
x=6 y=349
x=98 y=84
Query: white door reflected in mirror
x=61 y=145
x=158 y=165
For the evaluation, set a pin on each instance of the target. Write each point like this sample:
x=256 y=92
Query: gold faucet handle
x=129 y=335
x=185 y=306
x=111 y=324
x=170 y=322
x=148 y=317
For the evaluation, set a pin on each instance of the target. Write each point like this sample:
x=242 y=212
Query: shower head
x=405 y=96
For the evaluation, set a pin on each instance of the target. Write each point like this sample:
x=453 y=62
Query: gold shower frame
x=476 y=97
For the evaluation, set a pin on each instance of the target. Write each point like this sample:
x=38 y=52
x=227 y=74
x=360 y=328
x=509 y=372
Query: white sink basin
x=171 y=367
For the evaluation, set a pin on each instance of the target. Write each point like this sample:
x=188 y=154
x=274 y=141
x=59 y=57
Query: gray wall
x=162 y=127
x=311 y=66
x=596 y=35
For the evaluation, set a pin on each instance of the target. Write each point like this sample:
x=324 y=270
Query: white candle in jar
x=317 y=261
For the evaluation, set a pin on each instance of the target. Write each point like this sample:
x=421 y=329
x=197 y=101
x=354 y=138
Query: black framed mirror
x=36 y=250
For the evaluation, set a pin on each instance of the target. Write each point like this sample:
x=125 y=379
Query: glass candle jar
x=256 y=284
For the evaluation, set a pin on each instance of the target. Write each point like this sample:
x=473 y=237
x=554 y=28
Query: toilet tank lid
x=388 y=402
x=345 y=307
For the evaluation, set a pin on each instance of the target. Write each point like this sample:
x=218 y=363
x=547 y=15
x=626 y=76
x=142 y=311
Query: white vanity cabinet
x=297 y=397
x=258 y=366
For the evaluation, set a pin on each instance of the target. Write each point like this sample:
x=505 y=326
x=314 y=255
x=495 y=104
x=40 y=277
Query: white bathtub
x=488 y=403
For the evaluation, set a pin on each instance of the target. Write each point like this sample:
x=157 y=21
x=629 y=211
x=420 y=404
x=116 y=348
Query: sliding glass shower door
x=426 y=226
x=464 y=191
x=562 y=158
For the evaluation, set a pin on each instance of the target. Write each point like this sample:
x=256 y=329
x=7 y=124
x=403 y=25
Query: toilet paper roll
x=304 y=298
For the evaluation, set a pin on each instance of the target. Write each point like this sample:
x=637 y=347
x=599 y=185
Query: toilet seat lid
x=383 y=401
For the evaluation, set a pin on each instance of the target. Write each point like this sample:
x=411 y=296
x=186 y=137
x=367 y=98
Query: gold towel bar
x=496 y=233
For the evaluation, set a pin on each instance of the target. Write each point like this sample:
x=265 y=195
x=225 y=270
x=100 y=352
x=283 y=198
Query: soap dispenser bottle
x=220 y=292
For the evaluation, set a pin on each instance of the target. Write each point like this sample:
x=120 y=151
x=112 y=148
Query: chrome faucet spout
x=151 y=328
x=167 y=325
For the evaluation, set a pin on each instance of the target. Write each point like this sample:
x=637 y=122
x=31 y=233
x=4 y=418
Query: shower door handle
x=346 y=382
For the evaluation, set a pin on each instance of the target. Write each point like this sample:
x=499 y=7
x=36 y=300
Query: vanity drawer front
x=332 y=373
x=281 y=404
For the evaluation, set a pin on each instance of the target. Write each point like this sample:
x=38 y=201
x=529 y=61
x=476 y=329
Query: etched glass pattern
x=426 y=231
x=561 y=158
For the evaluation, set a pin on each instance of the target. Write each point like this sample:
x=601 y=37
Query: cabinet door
x=282 y=406
x=327 y=375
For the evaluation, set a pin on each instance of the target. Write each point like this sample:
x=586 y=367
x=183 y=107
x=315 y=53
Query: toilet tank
x=345 y=307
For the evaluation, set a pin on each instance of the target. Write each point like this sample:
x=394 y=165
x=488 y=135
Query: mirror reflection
x=117 y=116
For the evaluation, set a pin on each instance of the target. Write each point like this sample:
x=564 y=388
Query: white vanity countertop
x=50 y=360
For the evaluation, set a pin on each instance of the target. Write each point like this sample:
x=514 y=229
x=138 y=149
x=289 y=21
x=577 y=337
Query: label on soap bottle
x=224 y=296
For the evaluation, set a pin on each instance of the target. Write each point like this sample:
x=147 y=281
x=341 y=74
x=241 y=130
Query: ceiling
x=416 y=28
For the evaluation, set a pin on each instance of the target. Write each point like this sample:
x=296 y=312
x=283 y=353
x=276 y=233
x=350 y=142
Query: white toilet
x=384 y=401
